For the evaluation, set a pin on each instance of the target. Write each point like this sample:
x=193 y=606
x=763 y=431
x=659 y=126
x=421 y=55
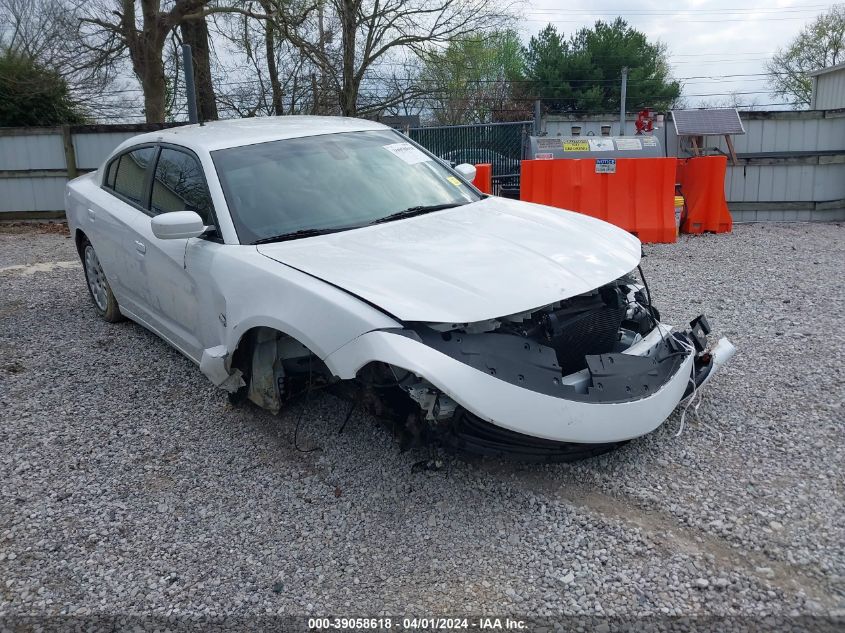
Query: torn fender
x=214 y=365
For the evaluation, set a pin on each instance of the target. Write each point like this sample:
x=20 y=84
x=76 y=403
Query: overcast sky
x=707 y=39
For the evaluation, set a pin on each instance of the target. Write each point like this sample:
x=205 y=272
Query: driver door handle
x=140 y=247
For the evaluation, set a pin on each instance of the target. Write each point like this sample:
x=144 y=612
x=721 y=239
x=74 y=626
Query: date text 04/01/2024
x=409 y=623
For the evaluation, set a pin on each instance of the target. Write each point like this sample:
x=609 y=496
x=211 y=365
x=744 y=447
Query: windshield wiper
x=295 y=235
x=419 y=210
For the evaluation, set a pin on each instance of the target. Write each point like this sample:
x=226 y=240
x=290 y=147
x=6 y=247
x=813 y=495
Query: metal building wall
x=829 y=90
x=791 y=167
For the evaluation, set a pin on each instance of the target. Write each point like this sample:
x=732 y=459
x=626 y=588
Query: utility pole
x=190 y=89
x=538 y=117
x=622 y=101
x=322 y=45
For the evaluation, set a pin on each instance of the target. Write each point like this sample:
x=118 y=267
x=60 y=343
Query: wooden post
x=70 y=153
x=730 y=144
x=694 y=140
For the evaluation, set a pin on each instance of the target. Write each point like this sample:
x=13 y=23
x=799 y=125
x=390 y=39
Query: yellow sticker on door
x=576 y=146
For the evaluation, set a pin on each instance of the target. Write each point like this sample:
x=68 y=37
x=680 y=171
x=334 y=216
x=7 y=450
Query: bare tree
x=194 y=31
x=819 y=45
x=258 y=71
x=111 y=28
x=347 y=40
x=42 y=30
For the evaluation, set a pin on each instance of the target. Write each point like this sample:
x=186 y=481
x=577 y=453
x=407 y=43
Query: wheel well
x=268 y=358
x=80 y=238
x=246 y=346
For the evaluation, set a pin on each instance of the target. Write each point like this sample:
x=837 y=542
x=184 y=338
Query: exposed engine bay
x=606 y=346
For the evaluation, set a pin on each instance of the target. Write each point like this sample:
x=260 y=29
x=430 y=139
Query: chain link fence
x=500 y=144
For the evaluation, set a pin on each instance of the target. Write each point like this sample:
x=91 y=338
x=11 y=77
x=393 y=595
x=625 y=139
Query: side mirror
x=177 y=225
x=466 y=170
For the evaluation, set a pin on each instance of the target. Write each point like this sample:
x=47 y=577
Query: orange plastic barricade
x=484 y=177
x=702 y=180
x=639 y=197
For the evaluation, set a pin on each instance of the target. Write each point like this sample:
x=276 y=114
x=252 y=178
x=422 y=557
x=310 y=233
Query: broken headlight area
x=603 y=347
x=578 y=349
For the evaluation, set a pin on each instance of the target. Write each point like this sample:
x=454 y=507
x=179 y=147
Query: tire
x=98 y=286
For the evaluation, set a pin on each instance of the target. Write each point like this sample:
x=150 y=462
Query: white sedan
x=284 y=253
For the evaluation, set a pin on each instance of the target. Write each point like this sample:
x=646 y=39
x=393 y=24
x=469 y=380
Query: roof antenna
x=190 y=88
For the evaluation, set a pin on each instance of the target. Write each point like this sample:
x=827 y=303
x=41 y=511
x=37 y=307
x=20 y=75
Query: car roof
x=216 y=135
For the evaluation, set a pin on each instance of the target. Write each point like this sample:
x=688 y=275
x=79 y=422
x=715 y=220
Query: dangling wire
x=348 y=415
x=301 y=412
x=695 y=391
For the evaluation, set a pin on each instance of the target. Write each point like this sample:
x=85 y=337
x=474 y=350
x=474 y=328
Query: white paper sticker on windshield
x=407 y=152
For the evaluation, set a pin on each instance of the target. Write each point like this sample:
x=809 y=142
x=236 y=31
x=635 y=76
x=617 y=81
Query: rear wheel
x=98 y=285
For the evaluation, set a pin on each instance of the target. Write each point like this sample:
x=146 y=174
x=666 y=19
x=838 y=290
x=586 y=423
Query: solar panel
x=706 y=122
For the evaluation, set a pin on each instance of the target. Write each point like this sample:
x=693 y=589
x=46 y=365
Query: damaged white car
x=280 y=254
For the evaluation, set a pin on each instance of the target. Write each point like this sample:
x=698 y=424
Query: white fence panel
x=92 y=149
x=34 y=163
x=36 y=151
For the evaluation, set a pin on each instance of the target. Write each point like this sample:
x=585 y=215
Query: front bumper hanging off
x=591 y=416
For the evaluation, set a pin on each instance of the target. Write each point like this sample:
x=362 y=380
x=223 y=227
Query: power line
x=785 y=8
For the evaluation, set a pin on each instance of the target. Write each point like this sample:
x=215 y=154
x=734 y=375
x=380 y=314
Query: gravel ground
x=129 y=485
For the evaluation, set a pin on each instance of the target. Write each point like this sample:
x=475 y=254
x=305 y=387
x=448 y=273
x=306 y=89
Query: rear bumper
x=528 y=412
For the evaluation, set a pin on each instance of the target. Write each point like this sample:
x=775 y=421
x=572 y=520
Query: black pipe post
x=190 y=88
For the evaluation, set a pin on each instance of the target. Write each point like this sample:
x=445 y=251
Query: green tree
x=819 y=45
x=32 y=94
x=583 y=73
x=472 y=80
x=566 y=80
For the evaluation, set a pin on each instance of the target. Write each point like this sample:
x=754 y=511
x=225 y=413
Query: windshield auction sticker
x=454 y=181
x=407 y=152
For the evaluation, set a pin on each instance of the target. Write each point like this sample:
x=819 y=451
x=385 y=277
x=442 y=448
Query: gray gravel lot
x=129 y=485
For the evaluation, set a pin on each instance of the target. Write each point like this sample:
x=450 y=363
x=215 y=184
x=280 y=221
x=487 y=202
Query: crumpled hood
x=479 y=261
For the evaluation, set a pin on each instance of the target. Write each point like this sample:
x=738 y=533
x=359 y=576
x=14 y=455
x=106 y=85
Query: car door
x=110 y=216
x=174 y=274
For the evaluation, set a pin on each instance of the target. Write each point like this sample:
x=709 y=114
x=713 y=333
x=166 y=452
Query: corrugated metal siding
x=830 y=90
x=785 y=183
x=42 y=150
x=36 y=151
x=32 y=194
x=92 y=149
x=810 y=132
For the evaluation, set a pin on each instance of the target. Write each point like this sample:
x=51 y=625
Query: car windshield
x=315 y=184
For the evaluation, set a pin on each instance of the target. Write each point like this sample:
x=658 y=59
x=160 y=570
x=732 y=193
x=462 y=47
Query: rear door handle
x=140 y=247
